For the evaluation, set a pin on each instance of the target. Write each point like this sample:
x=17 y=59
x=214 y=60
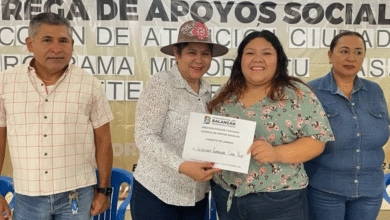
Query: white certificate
x=219 y=139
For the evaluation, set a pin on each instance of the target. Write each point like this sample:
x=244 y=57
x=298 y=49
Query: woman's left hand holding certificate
x=199 y=171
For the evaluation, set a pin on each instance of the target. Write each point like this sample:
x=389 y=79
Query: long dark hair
x=236 y=84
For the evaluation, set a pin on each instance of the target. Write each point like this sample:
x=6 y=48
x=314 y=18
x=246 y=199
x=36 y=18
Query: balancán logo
x=207 y=119
x=224 y=122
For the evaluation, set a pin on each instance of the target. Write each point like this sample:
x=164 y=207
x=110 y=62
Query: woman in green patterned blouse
x=291 y=128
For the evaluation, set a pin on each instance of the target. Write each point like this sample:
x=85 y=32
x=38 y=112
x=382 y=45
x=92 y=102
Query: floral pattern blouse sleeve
x=310 y=119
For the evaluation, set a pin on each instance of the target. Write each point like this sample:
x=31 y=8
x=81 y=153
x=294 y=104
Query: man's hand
x=199 y=171
x=4 y=208
x=100 y=203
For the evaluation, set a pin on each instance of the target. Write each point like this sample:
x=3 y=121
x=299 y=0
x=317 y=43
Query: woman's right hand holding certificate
x=199 y=171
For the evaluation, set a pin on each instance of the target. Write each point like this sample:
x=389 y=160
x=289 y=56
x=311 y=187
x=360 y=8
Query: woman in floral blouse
x=291 y=128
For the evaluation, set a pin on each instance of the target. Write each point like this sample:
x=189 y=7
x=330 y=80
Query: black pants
x=146 y=206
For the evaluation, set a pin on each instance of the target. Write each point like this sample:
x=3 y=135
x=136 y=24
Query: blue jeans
x=53 y=207
x=144 y=205
x=283 y=205
x=328 y=206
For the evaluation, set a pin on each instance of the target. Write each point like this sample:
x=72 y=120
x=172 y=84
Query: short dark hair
x=336 y=38
x=46 y=18
x=181 y=46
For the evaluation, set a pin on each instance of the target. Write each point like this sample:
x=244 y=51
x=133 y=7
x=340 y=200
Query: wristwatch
x=105 y=191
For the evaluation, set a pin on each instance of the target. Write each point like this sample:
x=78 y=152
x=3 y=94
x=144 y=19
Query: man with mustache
x=55 y=117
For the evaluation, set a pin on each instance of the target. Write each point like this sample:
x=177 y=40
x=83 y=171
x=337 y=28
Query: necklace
x=48 y=81
x=45 y=80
